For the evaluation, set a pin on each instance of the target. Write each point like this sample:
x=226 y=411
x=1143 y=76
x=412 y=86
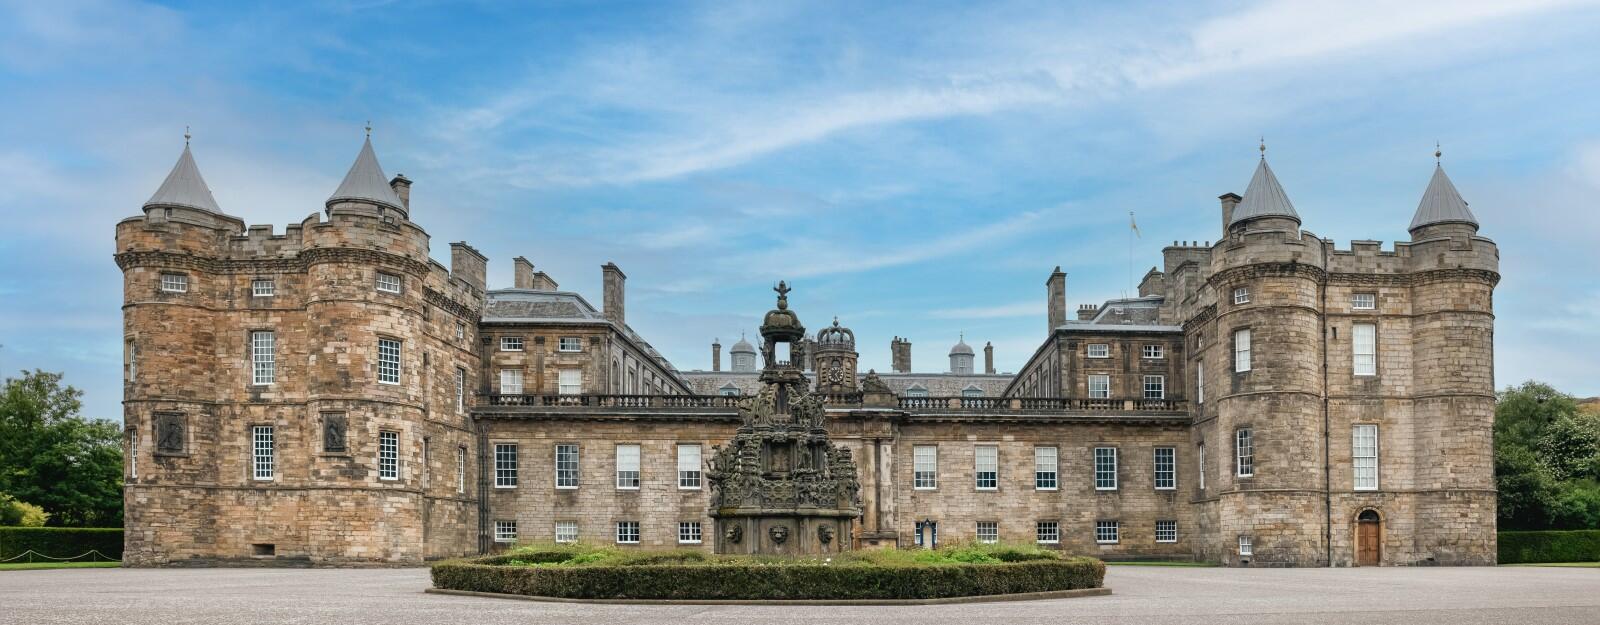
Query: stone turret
x=836 y=357
x=961 y=357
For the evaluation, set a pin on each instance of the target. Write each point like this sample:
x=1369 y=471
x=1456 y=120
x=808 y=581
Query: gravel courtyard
x=1458 y=596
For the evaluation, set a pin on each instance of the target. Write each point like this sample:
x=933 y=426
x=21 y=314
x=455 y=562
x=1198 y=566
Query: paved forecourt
x=1155 y=595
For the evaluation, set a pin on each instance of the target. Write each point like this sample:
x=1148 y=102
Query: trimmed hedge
x=60 y=542
x=1550 y=546
x=746 y=578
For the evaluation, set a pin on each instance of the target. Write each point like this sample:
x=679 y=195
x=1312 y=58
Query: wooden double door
x=1369 y=538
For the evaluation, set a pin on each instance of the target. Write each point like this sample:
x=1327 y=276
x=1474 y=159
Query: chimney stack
x=1229 y=200
x=522 y=276
x=1087 y=311
x=614 y=292
x=468 y=264
x=900 y=355
x=402 y=187
x=716 y=354
x=988 y=358
x=1056 y=302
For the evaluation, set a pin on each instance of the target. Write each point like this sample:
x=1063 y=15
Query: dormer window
x=1241 y=295
x=388 y=283
x=917 y=390
x=174 y=283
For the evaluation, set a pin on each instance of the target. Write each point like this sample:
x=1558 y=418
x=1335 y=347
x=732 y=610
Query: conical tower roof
x=1441 y=203
x=184 y=187
x=742 y=347
x=1264 y=198
x=366 y=182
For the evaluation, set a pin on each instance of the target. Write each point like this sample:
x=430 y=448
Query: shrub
x=21 y=513
x=60 y=542
x=1550 y=546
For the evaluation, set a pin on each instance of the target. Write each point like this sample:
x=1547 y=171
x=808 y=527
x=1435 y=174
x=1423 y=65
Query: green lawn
x=33 y=566
x=1160 y=563
x=1578 y=565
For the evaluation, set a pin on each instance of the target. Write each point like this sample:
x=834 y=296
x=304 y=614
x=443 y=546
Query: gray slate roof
x=366 y=182
x=184 y=187
x=742 y=347
x=1441 y=203
x=1264 y=198
x=519 y=305
x=961 y=348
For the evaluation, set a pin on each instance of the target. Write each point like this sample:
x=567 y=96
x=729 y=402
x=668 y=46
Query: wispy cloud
x=1000 y=311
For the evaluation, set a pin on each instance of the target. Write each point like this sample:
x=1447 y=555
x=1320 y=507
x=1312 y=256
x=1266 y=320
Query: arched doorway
x=1369 y=537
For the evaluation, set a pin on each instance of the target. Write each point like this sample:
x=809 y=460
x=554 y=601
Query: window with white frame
x=1241 y=295
x=1155 y=387
x=1105 y=468
x=510 y=343
x=1047 y=532
x=1099 y=350
x=689 y=532
x=1044 y=468
x=262 y=459
x=628 y=467
x=986 y=466
x=1155 y=352
x=689 y=467
x=569 y=344
x=1364 y=456
x=175 y=283
x=263 y=287
x=133 y=360
x=1166 y=531
x=388 y=455
x=1241 y=350
x=1364 y=344
x=505 y=531
x=133 y=453
x=566 y=531
x=461 y=470
x=388 y=361
x=628 y=532
x=511 y=381
x=1200 y=381
x=925 y=469
x=1364 y=301
x=1106 y=532
x=1166 y=477
x=1200 y=469
x=461 y=389
x=388 y=282
x=461 y=331
x=571 y=381
x=505 y=465
x=1245 y=546
x=567 y=465
x=988 y=532
x=263 y=357
x=1099 y=386
x=1244 y=446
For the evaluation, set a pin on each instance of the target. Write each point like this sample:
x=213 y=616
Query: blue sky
x=916 y=171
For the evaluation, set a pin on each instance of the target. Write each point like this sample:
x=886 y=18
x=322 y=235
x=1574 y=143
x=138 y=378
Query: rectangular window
x=571 y=381
x=388 y=361
x=133 y=361
x=388 y=455
x=1047 y=532
x=1166 y=468
x=175 y=283
x=1200 y=381
x=461 y=331
x=628 y=467
x=689 y=467
x=1166 y=531
x=1099 y=350
x=388 y=282
x=689 y=532
x=263 y=287
x=1241 y=295
x=567 y=465
x=1105 y=468
x=1364 y=301
x=1200 y=454
x=1364 y=343
x=461 y=390
x=261 y=452
x=1241 y=350
x=988 y=532
x=566 y=531
x=1044 y=468
x=1099 y=387
x=986 y=466
x=569 y=344
x=505 y=465
x=505 y=531
x=1245 y=546
x=1364 y=456
x=1105 y=532
x=510 y=343
x=1155 y=387
x=628 y=532
x=510 y=381
x=461 y=470
x=1245 y=452
x=133 y=453
x=1155 y=351
x=263 y=357
x=925 y=461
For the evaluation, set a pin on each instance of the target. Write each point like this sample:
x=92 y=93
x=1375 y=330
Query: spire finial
x=186 y=135
x=1438 y=154
x=1263 y=147
x=369 y=129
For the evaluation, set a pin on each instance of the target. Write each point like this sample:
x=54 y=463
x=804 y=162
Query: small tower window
x=1241 y=295
x=388 y=283
x=1364 y=301
x=174 y=283
x=263 y=287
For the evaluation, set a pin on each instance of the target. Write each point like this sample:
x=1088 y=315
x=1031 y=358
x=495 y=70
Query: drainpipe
x=1327 y=454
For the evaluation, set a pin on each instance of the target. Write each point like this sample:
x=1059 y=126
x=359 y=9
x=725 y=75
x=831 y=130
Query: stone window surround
x=505 y=476
x=978 y=467
x=511 y=343
x=1091 y=351
x=1249 y=346
x=388 y=455
x=1243 y=461
x=399 y=361
x=569 y=344
x=576 y=470
x=263 y=287
x=1170 y=470
x=1105 y=465
x=1364 y=301
x=1241 y=295
x=928 y=476
x=173 y=282
x=629 y=472
x=1054 y=472
x=693 y=477
x=382 y=281
x=1356 y=455
x=1155 y=387
x=263 y=436
x=1355 y=353
x=263 y=363
x=1154 y=351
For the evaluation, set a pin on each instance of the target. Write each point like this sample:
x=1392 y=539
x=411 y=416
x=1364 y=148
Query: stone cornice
x=1268 y=270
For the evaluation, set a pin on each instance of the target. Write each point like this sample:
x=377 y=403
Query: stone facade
x=396 y=437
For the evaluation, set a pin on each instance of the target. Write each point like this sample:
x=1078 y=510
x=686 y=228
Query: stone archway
x=1369 y=538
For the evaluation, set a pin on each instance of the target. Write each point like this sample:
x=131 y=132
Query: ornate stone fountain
x=780 y=486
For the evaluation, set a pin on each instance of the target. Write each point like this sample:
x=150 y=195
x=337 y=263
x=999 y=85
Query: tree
x=1546 y=460
x=54 y=458
x=20 y=513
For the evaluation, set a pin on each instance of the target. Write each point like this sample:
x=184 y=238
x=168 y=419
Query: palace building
x=332 y=395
